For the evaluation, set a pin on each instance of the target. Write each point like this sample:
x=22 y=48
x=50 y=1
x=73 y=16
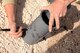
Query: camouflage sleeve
x=4 y=2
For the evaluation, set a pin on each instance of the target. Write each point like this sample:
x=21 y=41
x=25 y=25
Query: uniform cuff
x=4 y=2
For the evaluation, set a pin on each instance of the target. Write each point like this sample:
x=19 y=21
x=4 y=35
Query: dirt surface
x=65 y=40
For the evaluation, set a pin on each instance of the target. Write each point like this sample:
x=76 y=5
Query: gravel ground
x=65 y=40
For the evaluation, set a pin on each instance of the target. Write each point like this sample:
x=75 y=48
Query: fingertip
x=57 y=22
x=51 y=21
x=50 y=29
x=60 y=15
x=20 y=29
x=57 y=27
x=64 y=13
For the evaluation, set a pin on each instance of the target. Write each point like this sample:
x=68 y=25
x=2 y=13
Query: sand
x=65 y=40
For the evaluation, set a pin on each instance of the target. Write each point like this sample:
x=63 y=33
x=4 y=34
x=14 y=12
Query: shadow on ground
x=70 y=43
x=20 y=5
x=67 y=22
